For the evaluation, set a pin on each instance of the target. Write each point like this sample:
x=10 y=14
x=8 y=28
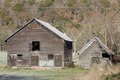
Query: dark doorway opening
x=35 y=45
x=105 y=55
x=68 y=45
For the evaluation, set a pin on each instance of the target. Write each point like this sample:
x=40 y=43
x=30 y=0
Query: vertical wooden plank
x=30 y=46
x=58 y=60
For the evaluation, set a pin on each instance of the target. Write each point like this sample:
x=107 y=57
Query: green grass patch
x=46 y=74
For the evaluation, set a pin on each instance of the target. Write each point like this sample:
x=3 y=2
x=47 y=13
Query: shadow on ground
x=16 y=77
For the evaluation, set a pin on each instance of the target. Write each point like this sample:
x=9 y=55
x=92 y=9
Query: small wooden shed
x=39 y=44
x=94 y=52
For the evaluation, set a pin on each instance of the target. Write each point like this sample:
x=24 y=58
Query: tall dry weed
x=99 y=72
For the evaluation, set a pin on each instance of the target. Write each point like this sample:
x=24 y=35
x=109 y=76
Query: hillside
x=80 y=19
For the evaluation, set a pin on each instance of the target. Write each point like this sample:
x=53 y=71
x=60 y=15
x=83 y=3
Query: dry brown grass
x=99 y=72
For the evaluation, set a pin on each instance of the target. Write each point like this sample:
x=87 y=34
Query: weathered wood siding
x=49 y=43
x=95 y=50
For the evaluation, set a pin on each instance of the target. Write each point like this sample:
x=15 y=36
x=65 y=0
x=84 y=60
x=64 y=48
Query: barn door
x=34 y=61
x=12 y=59
x=95 y=60
x=58 y=60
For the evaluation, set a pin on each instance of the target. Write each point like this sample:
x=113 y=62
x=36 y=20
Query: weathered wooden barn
x=94 y=52
x=39 y=44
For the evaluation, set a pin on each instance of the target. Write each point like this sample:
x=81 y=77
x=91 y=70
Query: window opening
x=35 y=46
x=50 y=56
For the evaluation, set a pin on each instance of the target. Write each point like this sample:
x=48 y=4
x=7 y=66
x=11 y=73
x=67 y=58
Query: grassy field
x=113 y=77
x=46 y=74
x=41 y=73
x=96 y=73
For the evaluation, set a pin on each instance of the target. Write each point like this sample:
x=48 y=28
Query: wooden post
x=74 y=47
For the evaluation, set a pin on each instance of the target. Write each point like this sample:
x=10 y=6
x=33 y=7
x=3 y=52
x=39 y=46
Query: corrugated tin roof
x=48 y=26
x=53 y=29
x=99 y=42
